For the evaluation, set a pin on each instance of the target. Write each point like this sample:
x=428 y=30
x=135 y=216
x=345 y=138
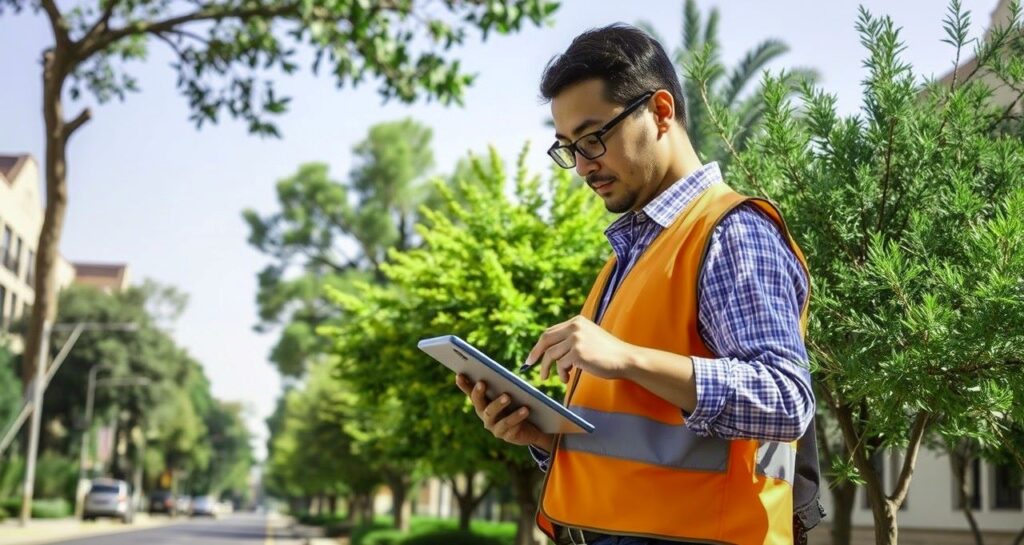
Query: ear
x=664 y=109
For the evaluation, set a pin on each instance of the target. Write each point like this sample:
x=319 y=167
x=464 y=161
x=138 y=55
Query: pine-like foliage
x=911 y=214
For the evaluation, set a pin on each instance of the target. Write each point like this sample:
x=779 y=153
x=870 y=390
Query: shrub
x=56 y=476
x=41 y=508
x=51 y=508
x=450 y=537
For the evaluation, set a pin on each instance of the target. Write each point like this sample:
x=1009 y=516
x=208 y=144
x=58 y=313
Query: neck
x=682 y=162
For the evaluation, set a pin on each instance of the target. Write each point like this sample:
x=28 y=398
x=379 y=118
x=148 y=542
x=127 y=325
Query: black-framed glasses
x=591 y=145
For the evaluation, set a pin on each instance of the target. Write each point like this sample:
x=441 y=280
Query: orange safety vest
x=642 y=472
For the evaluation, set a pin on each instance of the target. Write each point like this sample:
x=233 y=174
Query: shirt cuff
x=541 y=456
x=714 y=386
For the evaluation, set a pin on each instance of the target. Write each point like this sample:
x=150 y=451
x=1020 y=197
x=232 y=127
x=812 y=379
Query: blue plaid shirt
x=751 y=294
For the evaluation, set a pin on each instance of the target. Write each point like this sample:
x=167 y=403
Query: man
x=688 y=355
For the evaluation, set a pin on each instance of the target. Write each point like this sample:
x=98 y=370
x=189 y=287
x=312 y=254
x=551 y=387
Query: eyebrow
x=586 y=124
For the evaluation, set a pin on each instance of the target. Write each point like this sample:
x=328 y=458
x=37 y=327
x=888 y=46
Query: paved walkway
x=49 y=530
x=238 y=529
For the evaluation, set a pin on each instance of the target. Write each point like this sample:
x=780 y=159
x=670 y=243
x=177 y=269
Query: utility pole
x=33 y=441
x=39 y=384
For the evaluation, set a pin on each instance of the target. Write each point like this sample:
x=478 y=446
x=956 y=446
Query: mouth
x=603 y=187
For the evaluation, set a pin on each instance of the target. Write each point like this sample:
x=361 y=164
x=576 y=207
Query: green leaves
x=722 y=115
x=909 y=214
x=225 y=52
x=502 y=259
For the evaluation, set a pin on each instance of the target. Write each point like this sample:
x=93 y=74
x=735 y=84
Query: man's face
x=624 y=176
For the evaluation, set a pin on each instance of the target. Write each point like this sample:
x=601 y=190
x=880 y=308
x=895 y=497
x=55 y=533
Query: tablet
x=547 y=414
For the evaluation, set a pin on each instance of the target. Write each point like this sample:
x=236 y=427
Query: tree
x=963 y=453
x=221 y=48
x=10 y=393
x=497 y=268
x=911 y=216
x=334 y=233
x=313 y=451
x=729 y=88
x=172 y=417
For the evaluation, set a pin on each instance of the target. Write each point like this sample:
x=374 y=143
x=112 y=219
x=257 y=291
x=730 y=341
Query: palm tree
x=730 y=89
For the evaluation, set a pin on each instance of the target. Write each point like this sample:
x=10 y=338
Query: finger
x=565 y=367
x=479 y=397
x=553 y=354
x=494 y=410
x=552 y=336
x=508 y=427
x=464 y=384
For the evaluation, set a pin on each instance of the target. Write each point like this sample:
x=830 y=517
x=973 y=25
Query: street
x=236 y=529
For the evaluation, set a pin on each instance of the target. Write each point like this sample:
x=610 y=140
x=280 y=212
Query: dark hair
x=627 y=59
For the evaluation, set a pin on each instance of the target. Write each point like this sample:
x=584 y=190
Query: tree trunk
x=55 y=70
x=365 y=503
x=844 y=497
x=959 y=463
x=350 y=508
x=884 y=507
x=524 y=481
x=466 y=499
x=844 y=494
x=332 y=504
x=400 y=508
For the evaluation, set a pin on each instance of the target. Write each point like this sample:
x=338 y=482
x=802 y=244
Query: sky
x=146 y=188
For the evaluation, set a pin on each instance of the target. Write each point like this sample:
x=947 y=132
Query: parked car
x=162 y=501
x=183 y=505
x=225 y=508
x=204 y=506
x=108 y=498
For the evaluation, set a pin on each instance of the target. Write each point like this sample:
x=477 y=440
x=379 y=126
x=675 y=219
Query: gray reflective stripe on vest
x=640 y=439
x=776 y=460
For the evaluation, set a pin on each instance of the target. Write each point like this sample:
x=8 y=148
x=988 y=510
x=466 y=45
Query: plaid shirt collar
x=666 y=207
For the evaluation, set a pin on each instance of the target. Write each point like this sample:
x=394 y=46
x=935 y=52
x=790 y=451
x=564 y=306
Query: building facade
x=108 y=277
x=21 y=220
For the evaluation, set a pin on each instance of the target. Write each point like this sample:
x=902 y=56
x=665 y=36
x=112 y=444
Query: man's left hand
x=581 y=343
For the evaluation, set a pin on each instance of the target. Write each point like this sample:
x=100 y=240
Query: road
x=237 y=529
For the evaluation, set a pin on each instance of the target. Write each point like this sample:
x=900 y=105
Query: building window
x=30 y=269
x=14 y=306
x=1006 y=487
x=5 y=248
x=16 y=258
x=3 y=307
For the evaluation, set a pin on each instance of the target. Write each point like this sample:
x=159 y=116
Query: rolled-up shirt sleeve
x=751 y=294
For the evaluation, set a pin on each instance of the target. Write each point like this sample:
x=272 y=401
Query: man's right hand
x=509 y=427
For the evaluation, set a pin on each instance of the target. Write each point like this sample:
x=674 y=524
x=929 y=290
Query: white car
x=204 y=506
x=108 y=498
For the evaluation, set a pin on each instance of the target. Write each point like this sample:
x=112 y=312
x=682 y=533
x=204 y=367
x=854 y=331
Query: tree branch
x=720 y=130
x=209 y=12
x=84 y=116
x=820 y=430
x=57 y=23
x=170 y=43
x=1007 y=111
x=899 y=494
x=885 y=180
x=102 y=24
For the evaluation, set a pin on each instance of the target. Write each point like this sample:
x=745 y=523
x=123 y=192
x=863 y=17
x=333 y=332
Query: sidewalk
x=46 y=530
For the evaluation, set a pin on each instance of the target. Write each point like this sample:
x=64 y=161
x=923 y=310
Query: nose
x=586 y=167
